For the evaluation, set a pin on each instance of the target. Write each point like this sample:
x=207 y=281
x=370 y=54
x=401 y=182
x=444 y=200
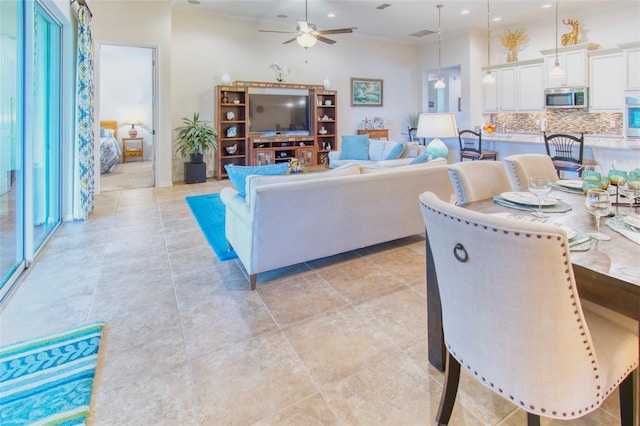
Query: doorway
x=126 y=84
x=444 y=100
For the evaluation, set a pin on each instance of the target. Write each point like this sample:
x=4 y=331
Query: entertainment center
x=265 y=123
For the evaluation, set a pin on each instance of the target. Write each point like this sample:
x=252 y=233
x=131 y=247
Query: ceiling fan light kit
x=307 y=33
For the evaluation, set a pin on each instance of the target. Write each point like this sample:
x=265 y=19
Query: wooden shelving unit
x=309 y=150
x=231 y=124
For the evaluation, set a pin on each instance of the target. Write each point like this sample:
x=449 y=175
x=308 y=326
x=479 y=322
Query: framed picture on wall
x=366 y=92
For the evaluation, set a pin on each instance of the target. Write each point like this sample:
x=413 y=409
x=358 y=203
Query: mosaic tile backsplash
x=562 y=121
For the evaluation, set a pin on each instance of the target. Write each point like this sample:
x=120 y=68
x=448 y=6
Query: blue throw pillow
x=238 y=174
x=396 y=152
x=355 y=147
x=103 y=132
x=423 y=158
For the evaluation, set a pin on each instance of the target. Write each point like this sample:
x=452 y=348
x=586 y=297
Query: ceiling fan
x=307 y=33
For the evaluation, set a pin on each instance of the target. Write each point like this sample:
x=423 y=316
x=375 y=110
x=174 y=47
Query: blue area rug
x=209 y=212
x=49 y=380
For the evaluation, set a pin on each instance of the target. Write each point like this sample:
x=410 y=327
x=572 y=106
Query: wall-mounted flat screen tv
x=279 y=111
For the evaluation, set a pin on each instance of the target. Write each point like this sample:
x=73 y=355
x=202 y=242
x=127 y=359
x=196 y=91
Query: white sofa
x=286 y=220
x=378 y=150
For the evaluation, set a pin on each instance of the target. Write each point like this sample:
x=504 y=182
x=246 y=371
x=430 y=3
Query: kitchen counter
x=606 y=150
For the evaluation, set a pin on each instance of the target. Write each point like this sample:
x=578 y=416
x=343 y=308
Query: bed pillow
x=238 y=174
x=354 y=147
x=103 y=132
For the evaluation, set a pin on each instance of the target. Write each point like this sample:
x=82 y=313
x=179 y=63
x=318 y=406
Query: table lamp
x=133 y=132
x=437 y=125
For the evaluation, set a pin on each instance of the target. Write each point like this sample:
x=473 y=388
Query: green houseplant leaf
x=195 y=136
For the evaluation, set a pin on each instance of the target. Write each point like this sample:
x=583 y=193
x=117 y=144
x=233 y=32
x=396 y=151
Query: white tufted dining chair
x=478 y=180
x=512 y=317
x=522 y=166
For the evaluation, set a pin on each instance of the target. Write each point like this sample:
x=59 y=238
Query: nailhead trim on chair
x=599 y=397
x=512 y=166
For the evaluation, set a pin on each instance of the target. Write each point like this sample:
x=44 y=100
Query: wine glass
x=629 y=186
x=540 y=187
x=598 y=204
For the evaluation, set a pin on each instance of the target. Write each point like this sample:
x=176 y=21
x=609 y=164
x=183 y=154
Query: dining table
x=607 y=273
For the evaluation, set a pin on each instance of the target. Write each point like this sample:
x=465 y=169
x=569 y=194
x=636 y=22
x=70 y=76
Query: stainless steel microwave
x=566 y=97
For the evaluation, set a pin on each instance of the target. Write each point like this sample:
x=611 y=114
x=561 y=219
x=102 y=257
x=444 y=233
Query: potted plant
x=195 y=137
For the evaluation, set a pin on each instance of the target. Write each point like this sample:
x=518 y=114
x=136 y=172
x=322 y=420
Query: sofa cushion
x=393 y=151
x=394 y=162
x=255 y=181
x=238 y=174
x=376 y=150
x=422 y=158
x=355 y=147
x=410 y=150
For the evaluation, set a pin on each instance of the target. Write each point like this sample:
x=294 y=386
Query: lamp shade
x=437 y=125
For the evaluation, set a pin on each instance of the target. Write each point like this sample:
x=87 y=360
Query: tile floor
x=336 y=341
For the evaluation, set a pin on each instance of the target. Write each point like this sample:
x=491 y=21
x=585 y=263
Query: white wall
x=146 y=24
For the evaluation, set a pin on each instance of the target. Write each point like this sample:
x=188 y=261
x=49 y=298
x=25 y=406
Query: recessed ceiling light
x=331 y=15
x=464 y=12
x=547 y=5
x=497 y=19
x=193 y=1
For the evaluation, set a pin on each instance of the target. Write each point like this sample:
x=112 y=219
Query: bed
x=110 y=150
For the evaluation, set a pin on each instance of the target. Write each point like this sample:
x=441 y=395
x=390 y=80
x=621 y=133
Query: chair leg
x=628 y=395
x=253 y=280
x=449 y=391
x=533 y=419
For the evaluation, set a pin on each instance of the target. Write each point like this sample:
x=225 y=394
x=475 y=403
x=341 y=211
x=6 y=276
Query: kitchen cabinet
x=530 y=87
x=606 y=81
x=501 y=96
x=631 y=65
x=518 y=87
x=573 y=61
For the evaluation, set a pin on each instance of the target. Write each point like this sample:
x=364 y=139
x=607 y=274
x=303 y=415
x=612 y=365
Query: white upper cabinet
x=518 y=87
x=501 y=95
x=606 y=80
x=573 y=61
x=530 y=87
x=631 y=65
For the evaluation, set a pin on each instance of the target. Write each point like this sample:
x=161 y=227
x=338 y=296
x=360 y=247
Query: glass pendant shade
x=489 y=78
x=440 y=84
x=306 y=40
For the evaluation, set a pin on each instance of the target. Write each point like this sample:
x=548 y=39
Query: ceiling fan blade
x=289 y=41
x=324 y=39
x=275 y=31
x=336 y=31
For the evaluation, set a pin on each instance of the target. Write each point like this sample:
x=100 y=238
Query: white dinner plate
x=570 y=183
x=527 y=198
x=633 y=220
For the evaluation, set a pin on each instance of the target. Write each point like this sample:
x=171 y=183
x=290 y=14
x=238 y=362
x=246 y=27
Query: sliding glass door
x=45 y=117
x=30 y=133
x=11 y=170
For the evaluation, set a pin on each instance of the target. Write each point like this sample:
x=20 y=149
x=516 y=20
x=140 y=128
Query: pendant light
x=440 y=83
x=556 y=71
x=488 y=79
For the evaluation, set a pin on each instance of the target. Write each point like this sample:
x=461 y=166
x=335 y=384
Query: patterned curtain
x=83 y=200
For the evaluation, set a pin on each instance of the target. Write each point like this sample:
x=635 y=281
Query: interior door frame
x=154 y=106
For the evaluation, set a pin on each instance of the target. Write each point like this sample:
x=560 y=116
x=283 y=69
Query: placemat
x=559 y=207
x=617 y=224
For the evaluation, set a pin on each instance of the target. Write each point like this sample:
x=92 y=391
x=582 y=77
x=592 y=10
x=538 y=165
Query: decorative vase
x=225 y=78
x=322 y=131
x=230 y=115
x=437 y=149
x=232 y=132
x=326 y=83
x=225 y=98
